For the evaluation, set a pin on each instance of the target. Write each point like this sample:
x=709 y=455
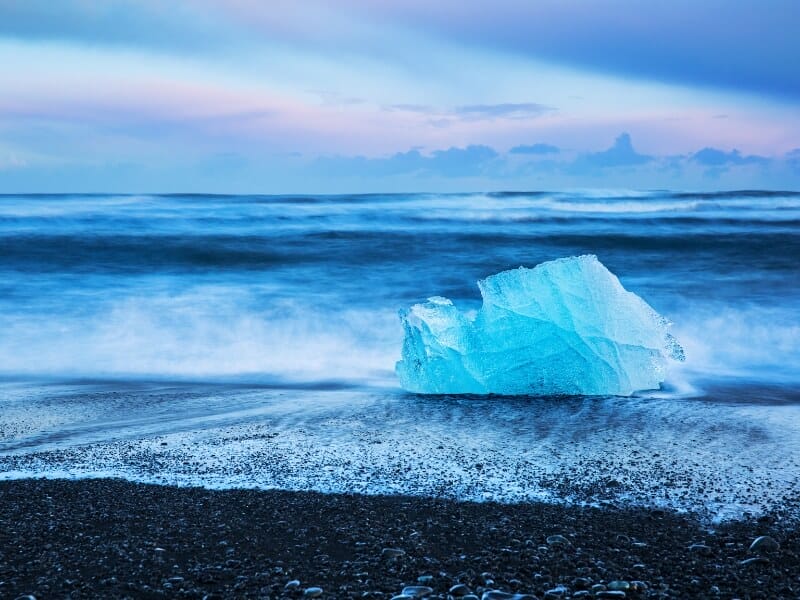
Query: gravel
x=115 y=539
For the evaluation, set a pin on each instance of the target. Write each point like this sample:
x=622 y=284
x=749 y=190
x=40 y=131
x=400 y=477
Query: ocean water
x=250 y=341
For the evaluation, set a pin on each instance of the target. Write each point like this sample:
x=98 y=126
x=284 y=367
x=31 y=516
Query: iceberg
x=565 y=327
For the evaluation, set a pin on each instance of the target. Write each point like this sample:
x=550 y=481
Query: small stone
x=312 y=592
x=581 y=583
x=459 y=590
x=558 y=540
x=638 y=586
x=424 y=578
x=417 y=591
x=756 y=560
x=470 y=597
x=597 y=588
x=392 y=552
x=292 y=585
x=618 y=586
x=496 y=595
x=402 y=597
x=700 y=549
x=26 y=597
x=764 y=543
x=556 y=592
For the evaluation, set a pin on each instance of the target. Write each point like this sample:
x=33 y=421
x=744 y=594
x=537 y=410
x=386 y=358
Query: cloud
x=12 y=161
x=485 y=161
x=330 y=98
x=535 y=149
x=456 y=162
x=139 y=23
x=477 y=112
x=713 y=157
x=683 y=41
x=793 y=158
x=621 y=154
x=740 y=45
x=455 y=169
x=470 y=161
x=526 y=110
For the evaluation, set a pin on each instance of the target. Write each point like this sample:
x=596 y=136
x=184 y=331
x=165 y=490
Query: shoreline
x=116 y=539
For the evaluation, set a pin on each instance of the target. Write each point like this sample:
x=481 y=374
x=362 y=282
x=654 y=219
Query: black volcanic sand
x=114 y=539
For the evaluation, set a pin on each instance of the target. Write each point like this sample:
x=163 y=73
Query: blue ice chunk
x=564 y=327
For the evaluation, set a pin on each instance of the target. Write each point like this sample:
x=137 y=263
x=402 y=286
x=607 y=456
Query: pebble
x=558 y=540
x=638 y=586
x=27 y=597
x=392 y=552
x=756 y=560
x=556 y=592
x=581 y=583
x=416 y=591
x=499 y=595
x=700 y=549
x=459 y=590
x=764 y=543
x=671 y=571
x=312 y=592
x=619 y=586
x=292 y=585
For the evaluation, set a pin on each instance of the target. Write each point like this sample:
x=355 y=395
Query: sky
x=247 y=96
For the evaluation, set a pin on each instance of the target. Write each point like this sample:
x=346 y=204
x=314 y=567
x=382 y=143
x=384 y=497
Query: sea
x=250 y=341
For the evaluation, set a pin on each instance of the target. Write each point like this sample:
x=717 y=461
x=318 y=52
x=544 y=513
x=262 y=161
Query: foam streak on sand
x=718 y=460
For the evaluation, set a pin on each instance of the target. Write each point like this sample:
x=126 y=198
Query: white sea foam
x=717 y=459
x=206 y=334
x=217 y=333
x=752 y=342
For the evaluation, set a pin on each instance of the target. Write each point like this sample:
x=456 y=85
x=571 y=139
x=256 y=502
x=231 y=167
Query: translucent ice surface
x=564 y=327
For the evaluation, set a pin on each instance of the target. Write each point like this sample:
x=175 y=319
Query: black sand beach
x=115 y=539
